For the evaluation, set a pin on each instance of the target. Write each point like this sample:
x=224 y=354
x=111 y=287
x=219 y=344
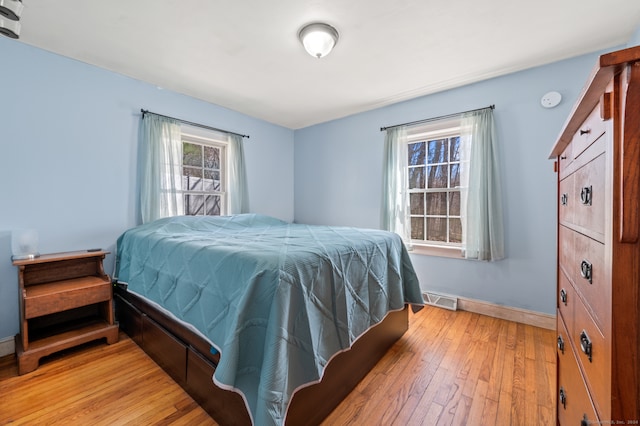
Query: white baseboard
x=7 y=346
x=536 y=319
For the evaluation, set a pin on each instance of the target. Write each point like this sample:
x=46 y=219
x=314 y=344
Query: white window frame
x=440 y=129
x=209 y=138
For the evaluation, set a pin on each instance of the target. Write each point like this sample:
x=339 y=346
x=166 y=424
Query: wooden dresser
x=598 y=323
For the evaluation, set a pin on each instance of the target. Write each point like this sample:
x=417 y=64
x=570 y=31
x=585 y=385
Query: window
x=203 y=176
x=441 y=185
x=182 y=164
x=434 y=167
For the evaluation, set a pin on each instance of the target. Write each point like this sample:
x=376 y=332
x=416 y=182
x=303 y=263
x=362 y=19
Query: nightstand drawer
x=60 y=296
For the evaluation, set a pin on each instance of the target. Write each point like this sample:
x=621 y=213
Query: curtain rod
x=442 y=117
x=144 y=111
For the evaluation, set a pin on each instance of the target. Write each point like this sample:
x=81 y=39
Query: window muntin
x=203 y=176
x=434 y=167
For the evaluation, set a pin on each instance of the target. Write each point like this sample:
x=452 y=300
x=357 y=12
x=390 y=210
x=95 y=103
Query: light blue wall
x=635 y=38
x=68 y=137
x=338 y=175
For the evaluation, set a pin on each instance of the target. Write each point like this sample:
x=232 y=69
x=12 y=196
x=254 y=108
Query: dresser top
x=608 y=65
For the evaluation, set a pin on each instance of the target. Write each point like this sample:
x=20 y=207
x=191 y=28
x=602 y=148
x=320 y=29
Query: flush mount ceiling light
x=10 y=11
x=318 y=39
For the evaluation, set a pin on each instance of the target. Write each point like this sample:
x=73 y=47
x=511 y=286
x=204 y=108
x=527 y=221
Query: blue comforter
x=278 y=300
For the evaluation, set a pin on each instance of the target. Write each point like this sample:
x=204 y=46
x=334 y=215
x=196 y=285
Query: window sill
x=440 y=251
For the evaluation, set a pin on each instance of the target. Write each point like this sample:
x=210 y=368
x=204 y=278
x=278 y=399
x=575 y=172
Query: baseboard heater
x=441 y=300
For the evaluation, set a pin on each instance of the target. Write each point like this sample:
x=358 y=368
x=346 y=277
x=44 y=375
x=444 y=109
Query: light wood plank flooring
x=451 y=368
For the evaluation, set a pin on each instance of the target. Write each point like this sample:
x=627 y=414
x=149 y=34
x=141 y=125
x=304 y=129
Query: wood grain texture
x=450 y=368
x=630 y=146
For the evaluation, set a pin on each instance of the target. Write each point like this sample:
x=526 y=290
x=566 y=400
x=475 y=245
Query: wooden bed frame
x=188 y=359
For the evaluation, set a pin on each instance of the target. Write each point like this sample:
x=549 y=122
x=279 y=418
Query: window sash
x=426 y=134
x=207 y=195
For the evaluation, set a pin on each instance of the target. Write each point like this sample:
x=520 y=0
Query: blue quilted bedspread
x=278 y=300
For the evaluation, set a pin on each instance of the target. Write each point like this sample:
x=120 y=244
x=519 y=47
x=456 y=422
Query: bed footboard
x=188 y=359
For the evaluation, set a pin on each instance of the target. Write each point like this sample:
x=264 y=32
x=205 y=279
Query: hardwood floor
x=451 y=368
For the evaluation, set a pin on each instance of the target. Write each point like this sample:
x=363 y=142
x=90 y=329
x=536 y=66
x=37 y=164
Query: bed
x=287 y=318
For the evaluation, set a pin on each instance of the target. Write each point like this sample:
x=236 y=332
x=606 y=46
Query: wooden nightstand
x=65 y=300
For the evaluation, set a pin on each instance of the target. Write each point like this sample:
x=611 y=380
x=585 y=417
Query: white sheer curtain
x=160 y=160
x=481 y=202
x=395 y=184
x=237 y=188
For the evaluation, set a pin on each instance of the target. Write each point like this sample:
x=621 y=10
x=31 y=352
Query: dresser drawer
x=566 y=301
x=588 y=197
x=563 y=346
x=594 y=355
x=591 y=280
x=567 y=201
x=566 y=255
x=564 y=161
x=592 y=128
x=574 y=404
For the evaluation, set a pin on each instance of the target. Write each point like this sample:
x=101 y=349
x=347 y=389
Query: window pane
x=416 y=153
x=455 y=175
x=436 y=229
x=211 y=157
x=454 y=203
x=213 y=205
x=455 y=148
x=437 y=176
x=437 y=203
x=455 y=230
x=417 y=228
x=191 y=179
x=416 y=177
x=438 y=151
x=194 y=204
x=191 y=154
x=212 y=181
x=416 y=201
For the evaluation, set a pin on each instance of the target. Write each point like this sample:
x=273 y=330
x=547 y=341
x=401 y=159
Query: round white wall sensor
x=551 y=99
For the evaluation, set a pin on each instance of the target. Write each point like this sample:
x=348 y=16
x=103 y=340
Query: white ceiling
x=245 y=55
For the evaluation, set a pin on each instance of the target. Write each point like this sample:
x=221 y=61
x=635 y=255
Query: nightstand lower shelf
x=28 y=360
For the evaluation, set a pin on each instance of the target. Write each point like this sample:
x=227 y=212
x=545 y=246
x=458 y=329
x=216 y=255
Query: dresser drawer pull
x=585 y=132
x=586 y=270
x=563 y=296
x=562 y=397
x=585 y=345
x=586 y=195
x=563 y=199
x=561 y=344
